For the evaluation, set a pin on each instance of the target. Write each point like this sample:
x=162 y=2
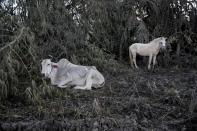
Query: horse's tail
x=131 y=57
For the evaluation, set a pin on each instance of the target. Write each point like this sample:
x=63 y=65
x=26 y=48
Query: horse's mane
x=156 y=40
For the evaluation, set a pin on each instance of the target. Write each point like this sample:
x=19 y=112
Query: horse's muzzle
x=163 y=48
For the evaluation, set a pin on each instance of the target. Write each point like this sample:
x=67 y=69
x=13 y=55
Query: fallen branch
x=14 y=41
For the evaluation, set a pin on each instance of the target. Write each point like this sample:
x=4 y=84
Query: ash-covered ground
x=163 y=99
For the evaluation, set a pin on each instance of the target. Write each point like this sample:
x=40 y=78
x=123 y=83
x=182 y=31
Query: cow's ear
x=54 y=65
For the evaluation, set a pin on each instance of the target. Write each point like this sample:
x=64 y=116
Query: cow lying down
x=65 y=74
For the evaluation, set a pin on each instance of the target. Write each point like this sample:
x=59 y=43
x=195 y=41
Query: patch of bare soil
x=132 y=100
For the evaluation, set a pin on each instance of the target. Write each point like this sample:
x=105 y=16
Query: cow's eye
x=48 y=64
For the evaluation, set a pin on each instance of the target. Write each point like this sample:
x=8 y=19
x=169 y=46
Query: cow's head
x=46 y=67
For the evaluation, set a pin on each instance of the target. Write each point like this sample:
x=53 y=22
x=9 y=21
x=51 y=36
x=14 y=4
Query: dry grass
x=137 y=100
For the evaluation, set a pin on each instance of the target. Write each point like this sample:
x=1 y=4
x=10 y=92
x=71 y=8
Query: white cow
x=65 y=74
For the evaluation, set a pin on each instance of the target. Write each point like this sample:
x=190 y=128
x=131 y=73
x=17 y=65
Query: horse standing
x=150 y=49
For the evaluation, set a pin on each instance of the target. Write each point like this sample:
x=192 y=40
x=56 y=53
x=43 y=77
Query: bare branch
x=14 y=41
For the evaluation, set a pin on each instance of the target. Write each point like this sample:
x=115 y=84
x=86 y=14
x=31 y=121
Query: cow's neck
x=54 y=68
x=53 y=75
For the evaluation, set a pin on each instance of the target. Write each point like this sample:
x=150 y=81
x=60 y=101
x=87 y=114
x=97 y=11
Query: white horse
x=150 y=49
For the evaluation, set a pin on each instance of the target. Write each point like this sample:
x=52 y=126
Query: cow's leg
x=149 y=61
x=64 y=83
x=98 y=79
x=62 y=86
x=88 y=82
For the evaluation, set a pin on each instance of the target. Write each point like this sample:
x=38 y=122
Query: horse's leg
x=134 y=60
x=154 y=60
x=149 y=61
x=131 y=58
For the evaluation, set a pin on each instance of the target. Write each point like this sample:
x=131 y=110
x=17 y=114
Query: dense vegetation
x=88 y=32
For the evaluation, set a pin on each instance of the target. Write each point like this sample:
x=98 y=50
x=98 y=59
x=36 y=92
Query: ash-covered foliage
x=89 y=32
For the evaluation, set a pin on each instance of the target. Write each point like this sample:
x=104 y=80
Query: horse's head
x=162 y=43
